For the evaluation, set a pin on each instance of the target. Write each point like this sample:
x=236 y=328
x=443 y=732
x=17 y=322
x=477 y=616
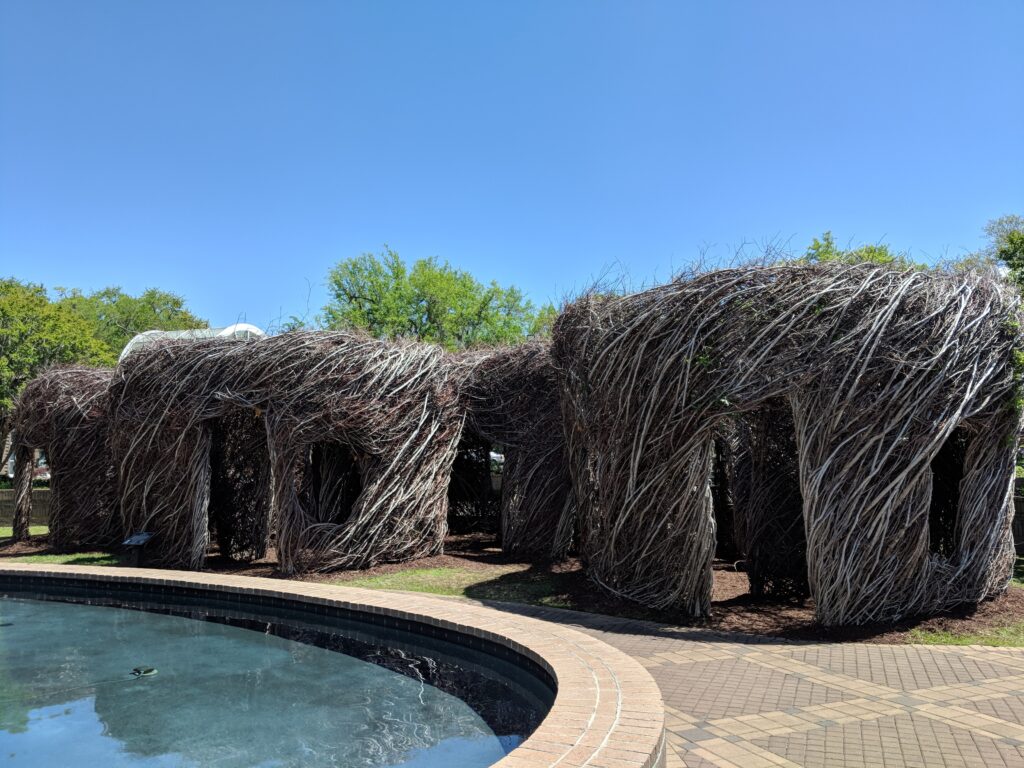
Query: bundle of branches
x=879 y=366
x=511 y=397
x=935 y=360
x=64 y=412
x=360 y=435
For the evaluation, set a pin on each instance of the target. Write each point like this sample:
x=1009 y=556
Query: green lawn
x=72 y=558
x=7 y=531
x=1011 y=635
x=511 y=583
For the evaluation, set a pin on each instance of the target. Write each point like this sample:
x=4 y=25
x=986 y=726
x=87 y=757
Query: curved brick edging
x=607 y=712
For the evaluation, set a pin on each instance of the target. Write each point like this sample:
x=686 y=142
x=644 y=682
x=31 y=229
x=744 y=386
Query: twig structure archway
x=879 y=368
x=357 y=434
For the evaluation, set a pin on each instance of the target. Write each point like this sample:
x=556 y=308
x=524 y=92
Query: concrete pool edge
x=607 y=712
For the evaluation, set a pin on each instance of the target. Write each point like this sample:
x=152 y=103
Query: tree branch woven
x=64 y=412
x=879 y=367
x=390 y=408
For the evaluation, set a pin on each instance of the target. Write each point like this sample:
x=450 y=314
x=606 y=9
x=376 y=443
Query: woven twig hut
x=880 y=368
x=511 y=397
x=64 y=412
x=358 y=436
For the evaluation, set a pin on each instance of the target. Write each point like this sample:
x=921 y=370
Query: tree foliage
x=431 y=301
x=999 y=233
x=115 y=316
x=825 y=250
x=1005 y=245
x=90 y=329
x=35 y=333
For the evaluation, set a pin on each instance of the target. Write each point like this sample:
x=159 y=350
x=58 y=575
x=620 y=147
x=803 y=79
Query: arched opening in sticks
x=474 y=499
x=774 y=540
x=723 y=500
x=511 y=398
x=240 y=490
x=947 y=473
x=329 y=483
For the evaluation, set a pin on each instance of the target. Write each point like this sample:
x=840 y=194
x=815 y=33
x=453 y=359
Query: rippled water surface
x=222 y=696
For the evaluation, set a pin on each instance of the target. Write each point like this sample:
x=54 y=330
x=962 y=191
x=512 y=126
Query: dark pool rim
x=606 y=705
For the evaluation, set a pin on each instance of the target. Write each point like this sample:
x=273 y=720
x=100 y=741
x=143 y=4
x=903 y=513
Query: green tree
x=544 y=322
x=115 y=316
x=999 y=232
x=431 y=301
x=1011 y=253
x=825 y=250
x=1005 y=247
x=35 y=333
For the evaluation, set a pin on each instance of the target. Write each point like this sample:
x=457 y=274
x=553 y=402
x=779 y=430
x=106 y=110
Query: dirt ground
x=733 y=608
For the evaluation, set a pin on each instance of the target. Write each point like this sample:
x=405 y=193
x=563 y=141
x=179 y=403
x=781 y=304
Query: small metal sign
x=138 y=539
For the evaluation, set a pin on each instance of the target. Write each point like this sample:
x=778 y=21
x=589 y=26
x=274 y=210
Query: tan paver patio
x=737 y=701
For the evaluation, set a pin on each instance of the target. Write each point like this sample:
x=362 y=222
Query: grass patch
x=1011 y=636
x=7 y=531
x=511 y=584
x=72 y=558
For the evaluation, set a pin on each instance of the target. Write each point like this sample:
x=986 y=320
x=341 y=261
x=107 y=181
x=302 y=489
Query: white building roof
x=148 y=338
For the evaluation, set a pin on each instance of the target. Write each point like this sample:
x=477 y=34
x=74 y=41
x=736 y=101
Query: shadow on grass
x=541 y=587
x=538 y=585
x=37 y=550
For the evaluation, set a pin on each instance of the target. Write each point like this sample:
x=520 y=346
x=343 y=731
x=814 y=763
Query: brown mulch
x=35 y=546
x=733 y=608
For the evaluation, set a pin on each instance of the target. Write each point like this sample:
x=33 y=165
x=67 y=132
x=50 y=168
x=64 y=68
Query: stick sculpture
x=879 y=368
x=359 y=436
x=64 y=412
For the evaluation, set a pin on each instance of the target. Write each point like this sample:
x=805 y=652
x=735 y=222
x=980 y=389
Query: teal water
x=223 y=696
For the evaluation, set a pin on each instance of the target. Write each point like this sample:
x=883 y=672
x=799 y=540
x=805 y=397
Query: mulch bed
x=733 y=608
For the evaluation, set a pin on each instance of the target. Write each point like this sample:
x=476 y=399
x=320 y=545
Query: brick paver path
x=744 y=702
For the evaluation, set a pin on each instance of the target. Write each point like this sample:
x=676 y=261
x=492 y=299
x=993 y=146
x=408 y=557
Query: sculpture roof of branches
x=56 y=395
x=905 y=355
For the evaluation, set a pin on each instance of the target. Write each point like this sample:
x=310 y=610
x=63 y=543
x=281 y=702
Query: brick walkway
x=733 y=700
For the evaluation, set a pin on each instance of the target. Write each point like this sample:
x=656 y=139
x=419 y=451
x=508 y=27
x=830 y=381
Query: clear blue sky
x=232 y=151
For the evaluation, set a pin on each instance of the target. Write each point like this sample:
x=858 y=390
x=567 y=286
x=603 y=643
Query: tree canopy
x=35 y=333
x=1006 y=245
x=115 y=316
x=431 y=301
x=86 y=329
x=825 y=250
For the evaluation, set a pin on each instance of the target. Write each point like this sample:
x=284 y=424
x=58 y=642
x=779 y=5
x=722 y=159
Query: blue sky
x=233 y=151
